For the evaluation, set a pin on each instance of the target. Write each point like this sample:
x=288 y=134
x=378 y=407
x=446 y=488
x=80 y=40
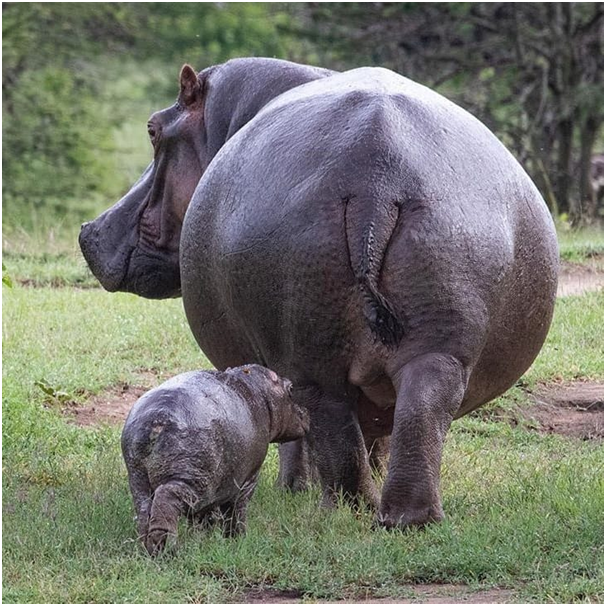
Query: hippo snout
x=85 y=232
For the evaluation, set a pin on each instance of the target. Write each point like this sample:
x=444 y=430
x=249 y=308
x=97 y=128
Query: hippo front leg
x=297 y=470
x=430 y=391
x=234 y=512
x=205 y=519
x=378 y=454
x=339 y=450
x=376 y=424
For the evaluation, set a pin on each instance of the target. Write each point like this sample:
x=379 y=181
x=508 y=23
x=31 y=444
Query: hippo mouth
x=108 y=266
x=151 y=276
x=127 y=268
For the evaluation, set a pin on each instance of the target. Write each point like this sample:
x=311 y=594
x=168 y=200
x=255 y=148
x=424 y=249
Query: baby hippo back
x=199 y=429
x=196 y=444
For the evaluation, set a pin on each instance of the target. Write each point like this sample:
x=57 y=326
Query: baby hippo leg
x=205 y=519
x=170 y=501
x=234 y=512
x=142 y=496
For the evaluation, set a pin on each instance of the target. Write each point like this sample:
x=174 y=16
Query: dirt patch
x=270 y=596
x=574 y=409
x=578 y=278
x=112 y=406
x=431 y=593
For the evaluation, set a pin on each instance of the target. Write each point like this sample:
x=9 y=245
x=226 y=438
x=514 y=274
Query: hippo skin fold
x=194 y=446
x=359 y=234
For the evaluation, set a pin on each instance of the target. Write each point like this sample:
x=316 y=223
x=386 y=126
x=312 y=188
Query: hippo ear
x=191 y=88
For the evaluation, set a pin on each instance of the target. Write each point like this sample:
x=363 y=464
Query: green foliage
x=206 y=34
x=79 y=81
x=53 y=135
x=56 y=127
x=6 y=279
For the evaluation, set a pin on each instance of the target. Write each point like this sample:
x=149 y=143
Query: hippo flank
x=356 y=232
x=195 y=445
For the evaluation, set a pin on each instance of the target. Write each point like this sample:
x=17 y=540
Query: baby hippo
x=195 y=445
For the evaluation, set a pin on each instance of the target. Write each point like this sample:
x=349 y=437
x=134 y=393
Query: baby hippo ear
x=273 y=376
x=191 y=88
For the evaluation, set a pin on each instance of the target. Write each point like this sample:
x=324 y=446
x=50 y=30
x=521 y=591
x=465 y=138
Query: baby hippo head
x=288 y=421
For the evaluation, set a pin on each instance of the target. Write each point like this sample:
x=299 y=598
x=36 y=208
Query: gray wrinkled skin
x=365 y=237
x=195 y=445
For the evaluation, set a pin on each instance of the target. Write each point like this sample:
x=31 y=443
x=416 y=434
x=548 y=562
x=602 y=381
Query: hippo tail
x=367 y=243
x=144 y=436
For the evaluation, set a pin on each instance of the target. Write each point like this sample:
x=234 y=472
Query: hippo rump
x=356 y=232
x=195 y=445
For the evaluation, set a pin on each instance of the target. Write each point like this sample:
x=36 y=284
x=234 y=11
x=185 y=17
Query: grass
x=524 y=510
x=577 y=245
x=575 y=345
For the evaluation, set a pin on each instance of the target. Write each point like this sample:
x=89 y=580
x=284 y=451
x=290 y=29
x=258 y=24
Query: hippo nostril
x=85 y=224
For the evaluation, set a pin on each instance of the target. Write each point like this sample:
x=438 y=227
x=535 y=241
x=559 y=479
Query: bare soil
x=578 y=278
x=111 y=407
x=430 y=593
x=574 y=409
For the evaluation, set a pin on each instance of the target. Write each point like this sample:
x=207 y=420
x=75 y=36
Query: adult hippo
x=355 y=232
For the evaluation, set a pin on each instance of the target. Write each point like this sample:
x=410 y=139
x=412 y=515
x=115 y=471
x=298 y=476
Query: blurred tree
x=533 y=72
x=70 y=75
x=51 y=127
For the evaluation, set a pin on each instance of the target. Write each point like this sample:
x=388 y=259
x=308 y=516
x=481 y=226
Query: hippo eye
x=151 y=131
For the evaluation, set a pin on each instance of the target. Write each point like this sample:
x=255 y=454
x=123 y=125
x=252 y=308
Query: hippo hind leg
x=430 y=391
x=142 y=497
x=170 y=501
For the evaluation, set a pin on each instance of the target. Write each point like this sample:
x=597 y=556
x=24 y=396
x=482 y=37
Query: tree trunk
x=587 y=197
x=563 y=175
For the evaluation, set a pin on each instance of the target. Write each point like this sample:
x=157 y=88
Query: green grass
x=58 y=269
x=575 y=345
x=524 y=510
x=577 y=245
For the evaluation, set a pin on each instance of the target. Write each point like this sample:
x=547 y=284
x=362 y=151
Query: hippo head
x=288 y=421
x=134 y=246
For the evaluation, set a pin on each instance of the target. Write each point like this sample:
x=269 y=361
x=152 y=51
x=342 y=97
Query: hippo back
x=359 y=221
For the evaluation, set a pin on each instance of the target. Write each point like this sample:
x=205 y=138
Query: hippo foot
x=365 y=500
x=293 y=483
x=158 y=540
x=413 y=518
